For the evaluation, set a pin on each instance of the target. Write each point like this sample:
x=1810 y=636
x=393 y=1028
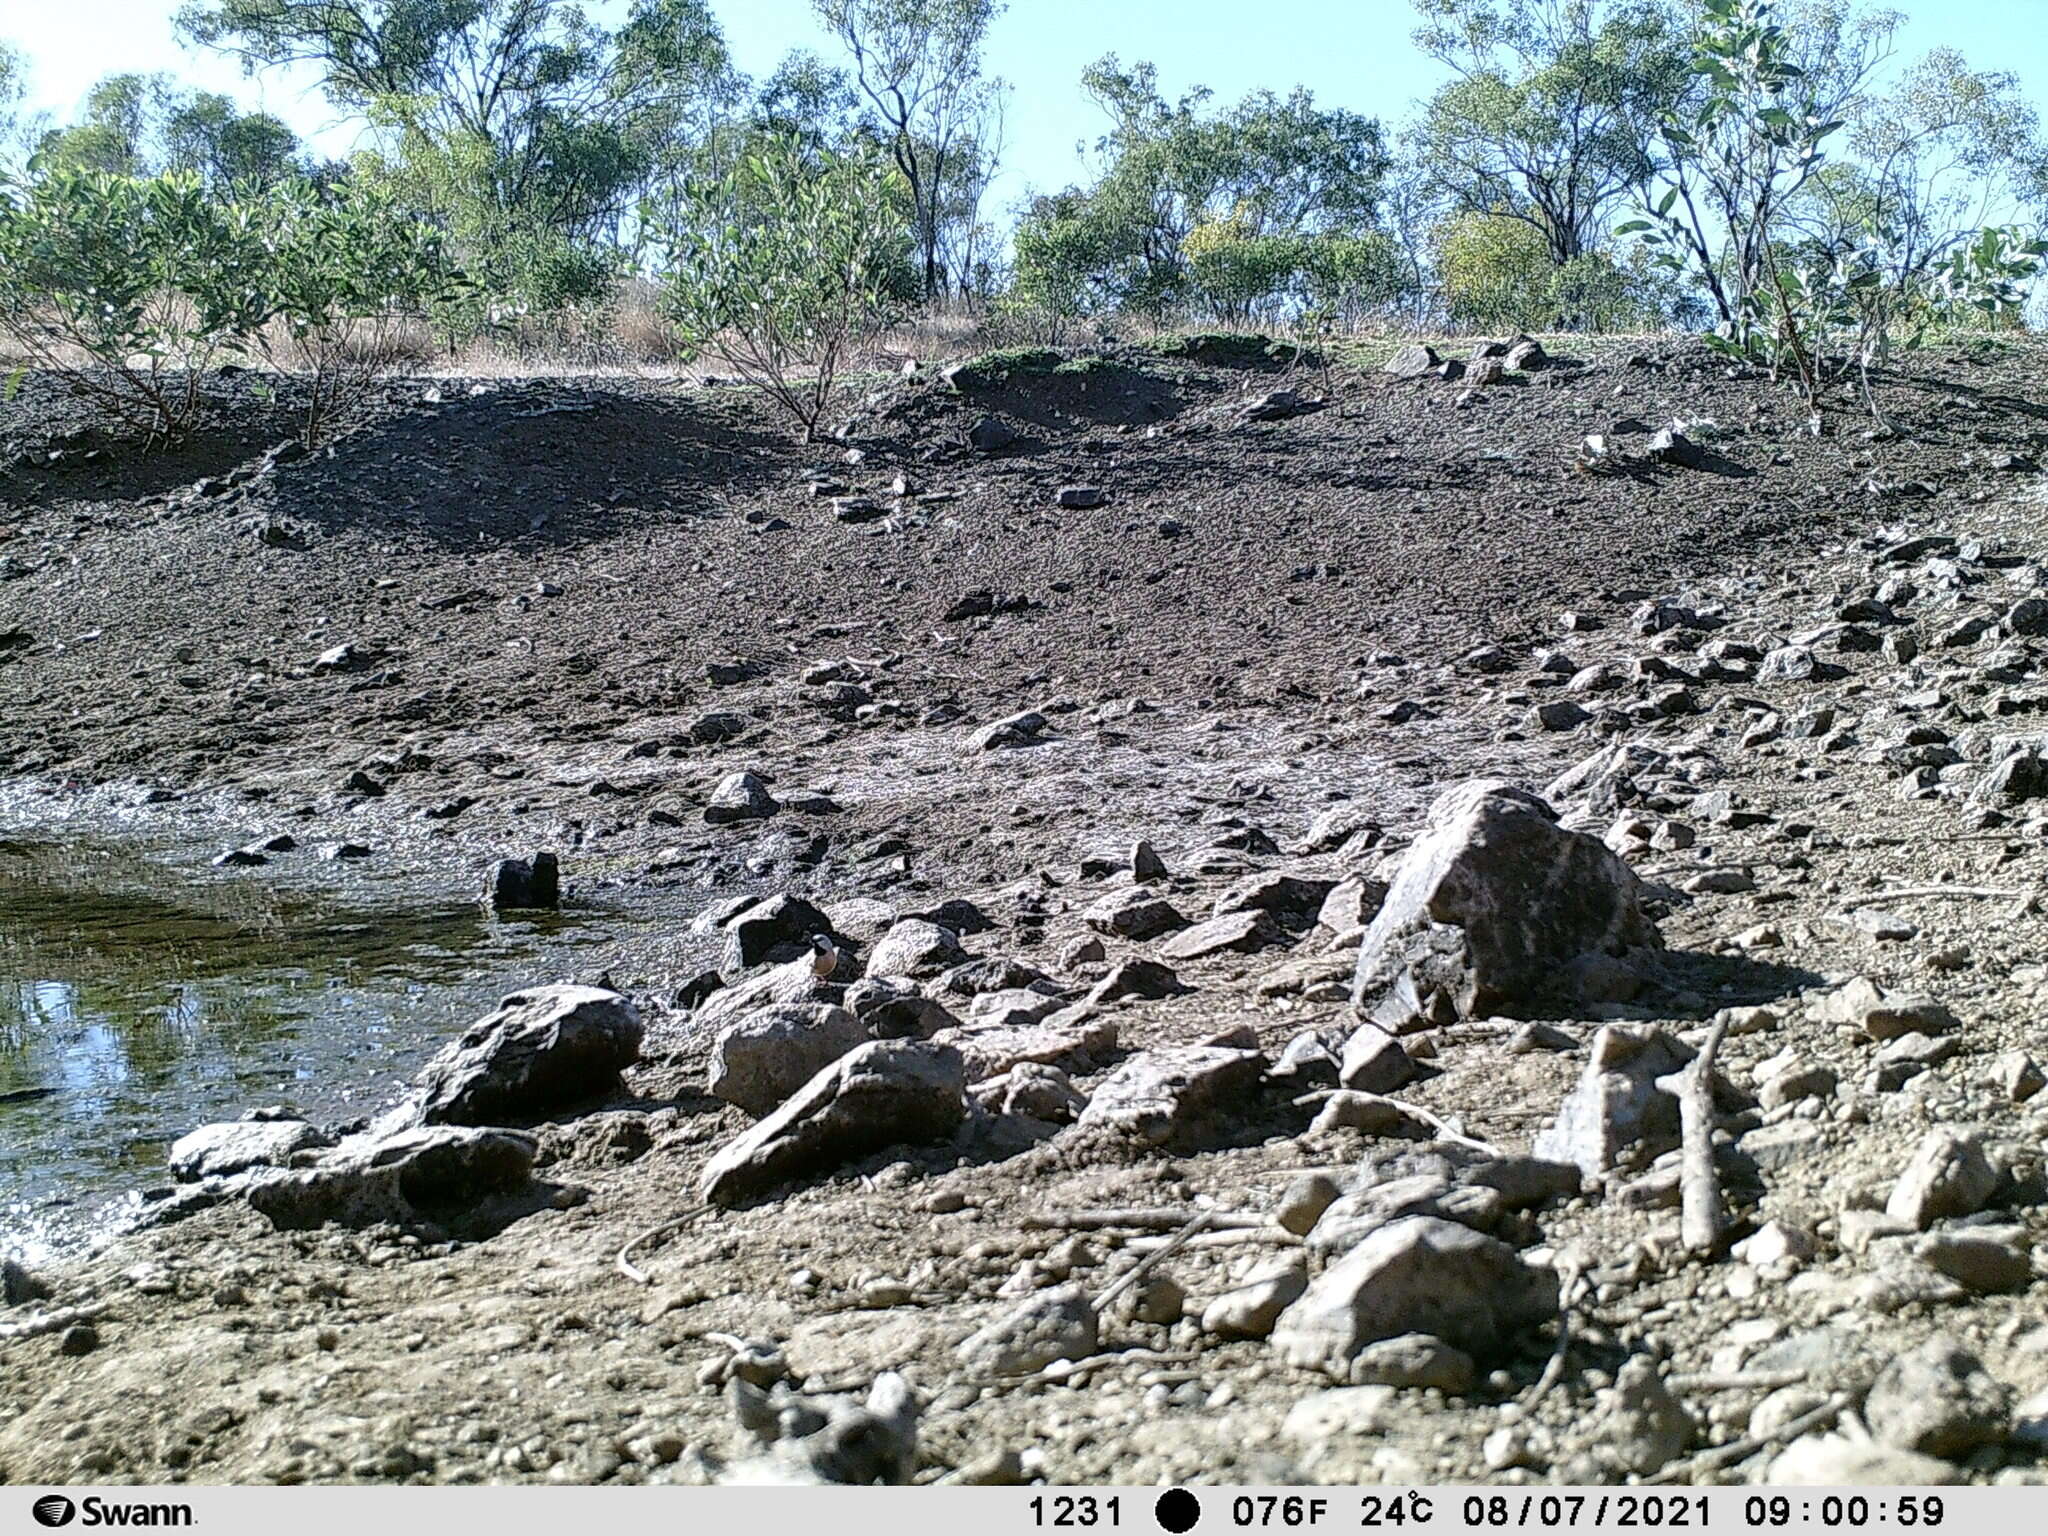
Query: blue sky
x=1352 y=53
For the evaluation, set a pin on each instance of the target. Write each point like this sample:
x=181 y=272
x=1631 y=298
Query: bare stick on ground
x=1701 y=1219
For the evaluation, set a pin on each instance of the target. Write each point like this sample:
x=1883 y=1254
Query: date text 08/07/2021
x=1181 y=1509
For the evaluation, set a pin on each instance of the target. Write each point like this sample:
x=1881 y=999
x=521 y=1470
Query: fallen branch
x=1553 y=1368
x=1986 y=892
x=1269 y=1235
x=1145 y=1218
x=1699 y=1182
x=1734 y=1381
x=1444 y=1130
x=1144 y=1266
x=1742 y=1450
x=626 y=1266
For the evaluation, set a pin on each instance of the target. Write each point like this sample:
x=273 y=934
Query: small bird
x=824 y=957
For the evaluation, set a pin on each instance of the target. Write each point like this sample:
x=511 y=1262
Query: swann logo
x=54 y=1509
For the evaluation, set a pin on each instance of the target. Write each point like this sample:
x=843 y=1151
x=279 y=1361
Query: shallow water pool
x=137 y=1002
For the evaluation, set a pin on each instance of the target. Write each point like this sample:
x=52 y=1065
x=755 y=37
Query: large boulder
x=1420 y=1274
x=1411 y=362
x=1176 y=1092
x=393 y=1177
x=517 y=885
x=884 y=1093
x=1494 y=910
x=794 y=981
x=1075 y=1039
x=765 y=1057
x=915 y=948
x=543 y=1049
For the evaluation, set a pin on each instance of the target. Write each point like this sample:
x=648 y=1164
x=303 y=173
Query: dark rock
x=1671 y=446
x=771 y=932
x=19 y=1286
x=518 y=885
x=544 y=1049
x=1490 y=910
x=991 y=435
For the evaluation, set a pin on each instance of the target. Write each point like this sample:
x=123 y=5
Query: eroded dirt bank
x=549 y=617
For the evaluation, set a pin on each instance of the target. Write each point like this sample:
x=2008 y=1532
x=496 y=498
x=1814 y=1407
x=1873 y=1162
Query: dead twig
x=1699 y=1182
x=1271 y=1235
x=626 y=1265
x=1734 y=1381
x=1145 y=1218
x=1144 y=1266
x=1445 y=1131
x=1553 y=1369
x=1743 y=1449
x=1984 y=892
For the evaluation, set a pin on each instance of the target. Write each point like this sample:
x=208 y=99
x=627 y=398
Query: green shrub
x=132 y=289
x=1236 y=272
x=1495 y=273
x=344 y=274
x=782 y=266
x=129 y=289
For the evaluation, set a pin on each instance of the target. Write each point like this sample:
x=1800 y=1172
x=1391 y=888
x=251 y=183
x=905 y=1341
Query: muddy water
x=137 y=1002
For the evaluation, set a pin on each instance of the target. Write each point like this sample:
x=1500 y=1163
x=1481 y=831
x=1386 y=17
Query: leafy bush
x=1495 y=272
x=128 y=289
x=1236 y=272
x=1061 y=248
x=782 y=266
x=341 y=276
x=1349 y=277
x=132 y=289
x=1811 y=308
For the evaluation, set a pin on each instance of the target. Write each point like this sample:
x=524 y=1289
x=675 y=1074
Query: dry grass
x=630 y=338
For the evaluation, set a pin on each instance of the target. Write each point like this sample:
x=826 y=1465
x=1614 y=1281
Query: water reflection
x=134 y=1005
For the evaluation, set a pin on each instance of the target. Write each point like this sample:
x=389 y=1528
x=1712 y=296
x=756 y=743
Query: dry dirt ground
x=525 y=614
